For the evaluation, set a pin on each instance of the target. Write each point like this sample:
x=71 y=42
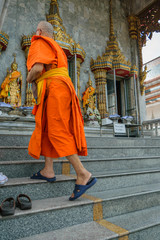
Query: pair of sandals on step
x=79 y=190
x=9 y=205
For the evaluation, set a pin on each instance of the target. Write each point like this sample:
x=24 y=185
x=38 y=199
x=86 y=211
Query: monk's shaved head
x=44 y=28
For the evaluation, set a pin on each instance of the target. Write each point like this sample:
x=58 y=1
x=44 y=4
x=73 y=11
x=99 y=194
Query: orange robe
x=59 y=130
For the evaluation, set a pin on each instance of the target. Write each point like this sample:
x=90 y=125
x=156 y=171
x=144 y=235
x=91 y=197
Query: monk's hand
x=28 y=79
x=34 y=89
x=35 y=72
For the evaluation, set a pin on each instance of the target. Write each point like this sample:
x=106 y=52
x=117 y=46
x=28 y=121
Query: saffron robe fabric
x=59 y=127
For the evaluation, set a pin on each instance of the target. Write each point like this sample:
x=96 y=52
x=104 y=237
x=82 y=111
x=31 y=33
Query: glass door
x=111 y=97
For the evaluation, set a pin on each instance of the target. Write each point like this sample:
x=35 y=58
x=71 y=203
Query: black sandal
x=23 y=202
x=8 y=207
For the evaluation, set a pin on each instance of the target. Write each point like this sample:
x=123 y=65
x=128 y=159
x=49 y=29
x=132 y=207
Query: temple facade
x=102 y=40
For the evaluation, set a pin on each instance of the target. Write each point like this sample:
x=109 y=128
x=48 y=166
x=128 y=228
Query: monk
x=59 y=130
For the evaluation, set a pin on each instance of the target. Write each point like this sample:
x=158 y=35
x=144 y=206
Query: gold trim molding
x=113 y=57
x=133 y=26
x=4 y=39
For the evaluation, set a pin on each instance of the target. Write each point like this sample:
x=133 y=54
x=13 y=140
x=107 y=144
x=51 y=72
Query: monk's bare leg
x=48 y=171
x=83 y=175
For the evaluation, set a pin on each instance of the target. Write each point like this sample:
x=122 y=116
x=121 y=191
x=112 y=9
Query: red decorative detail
x=149 y=21
x=121 y=73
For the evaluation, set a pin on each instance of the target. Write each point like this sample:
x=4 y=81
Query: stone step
x=128 y=199
x=122 y=141
x=22 y=138
x=109 y=180
x=25 y=168
x=46 y=215
x=56 y=213
x=141 y=225
x=19 y=169
x=38 y=189
x=85 y=231
x=11 y=153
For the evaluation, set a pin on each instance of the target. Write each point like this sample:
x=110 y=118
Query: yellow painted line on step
x=66 y=168
x=98 y=217
x=114 y=228
x=97 y=207
x=94 y=199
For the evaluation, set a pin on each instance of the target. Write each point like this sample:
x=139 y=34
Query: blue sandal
x=81 y=189
x=38 y=175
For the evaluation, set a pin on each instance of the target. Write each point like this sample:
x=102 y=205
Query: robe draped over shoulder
x=59 y=129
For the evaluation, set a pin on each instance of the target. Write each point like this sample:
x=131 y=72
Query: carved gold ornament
x=4 y=39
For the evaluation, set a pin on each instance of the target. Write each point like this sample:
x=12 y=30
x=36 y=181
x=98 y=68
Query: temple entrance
x=115 y=96
x=119 y=105
x=120 y=96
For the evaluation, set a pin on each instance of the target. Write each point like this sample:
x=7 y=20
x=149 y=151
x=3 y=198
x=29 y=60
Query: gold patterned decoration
x=135 y=33
x=133 y=28
x=142 y=77
x=26 y=43
x=78 y=79
x=100 y=80
x=134 y=70
x=60 y=35
x=113 y=57
x=142 y=74
x=4 y=39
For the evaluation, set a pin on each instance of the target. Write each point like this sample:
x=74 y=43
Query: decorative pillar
x=79 y=61
x=133 y=29
x=136 y=44
x=26 y=42
x=132 y=96
x=100 y=80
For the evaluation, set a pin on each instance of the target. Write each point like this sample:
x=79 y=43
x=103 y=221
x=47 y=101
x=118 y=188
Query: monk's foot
x=47 y=174
x=83 y=178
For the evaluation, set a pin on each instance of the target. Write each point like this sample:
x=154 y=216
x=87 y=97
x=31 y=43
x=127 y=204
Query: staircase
x=123 y=204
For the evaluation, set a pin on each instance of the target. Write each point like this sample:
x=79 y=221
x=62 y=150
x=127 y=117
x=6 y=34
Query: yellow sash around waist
x=51 y=73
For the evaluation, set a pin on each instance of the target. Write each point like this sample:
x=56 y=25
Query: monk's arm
x=35 y=72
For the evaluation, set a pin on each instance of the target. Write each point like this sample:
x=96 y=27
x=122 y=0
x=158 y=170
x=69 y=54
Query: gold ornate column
x=26 y=42
x=135 y=33
x=100 y=80
x=133 y=29
x=132 y=96
x=79 y=61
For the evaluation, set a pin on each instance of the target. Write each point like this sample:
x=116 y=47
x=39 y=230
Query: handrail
x=151 y=121
x=152 y=125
